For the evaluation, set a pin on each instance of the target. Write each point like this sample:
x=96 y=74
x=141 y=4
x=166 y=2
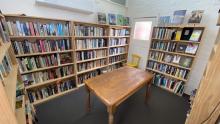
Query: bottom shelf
x=53 y=96
x=169 y=90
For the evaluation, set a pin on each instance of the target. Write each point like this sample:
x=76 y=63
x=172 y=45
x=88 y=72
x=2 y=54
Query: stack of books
x=50 y=90
x=21 y=28
x=90 y=43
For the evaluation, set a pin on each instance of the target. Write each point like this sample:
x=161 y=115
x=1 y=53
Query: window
x=142 y=30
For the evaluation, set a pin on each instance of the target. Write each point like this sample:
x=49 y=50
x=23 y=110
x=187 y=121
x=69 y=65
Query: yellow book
x=178 y=34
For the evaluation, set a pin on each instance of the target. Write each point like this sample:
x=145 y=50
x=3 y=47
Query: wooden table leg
x=88 y=100
x=111 y=111
x=147 y=91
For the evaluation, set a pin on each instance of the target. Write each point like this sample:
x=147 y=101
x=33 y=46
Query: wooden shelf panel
x=46 y=68
x=92 y=69
x=16 y=37
x=118 y=46
x=43 y=53
x=3 y=49
x=117 y=62
x=167 y=74
x=182 y=41
x=91 y=59
x=21 y=113
x=10 y=86
x=171 y=64
x=53 y=96
x=92 y=49
x=48 y=82
x=117 y=54
x=182 y=54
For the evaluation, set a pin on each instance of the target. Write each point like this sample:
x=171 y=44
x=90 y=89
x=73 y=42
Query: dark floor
x=162 y=108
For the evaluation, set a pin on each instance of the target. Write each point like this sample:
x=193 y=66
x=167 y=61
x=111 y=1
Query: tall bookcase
x=87 y=48
x=172 y=53
x=15 y=109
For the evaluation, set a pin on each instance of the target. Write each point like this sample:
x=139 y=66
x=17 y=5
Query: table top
x=113 y=87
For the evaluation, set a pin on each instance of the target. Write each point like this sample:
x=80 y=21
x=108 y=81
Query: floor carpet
x=162 y=108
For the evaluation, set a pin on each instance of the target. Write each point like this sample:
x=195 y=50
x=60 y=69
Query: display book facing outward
x=172 y=53
x=55 y=56
x=10 y=81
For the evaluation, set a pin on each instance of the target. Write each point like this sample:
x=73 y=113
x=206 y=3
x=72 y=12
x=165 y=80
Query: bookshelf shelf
x=17 y=37
x=175 y=65
x=3 y=49
x=37 y=85
x=43 y=53
x=117 y=54
x=92 y=69
x=10 y=86
x=166 y=74
x=176 y=53
x=91 y=59
x=54 y=96
x=183 y=41
x=92 y=49
x=118 y=46
x=46 y=68
x=117 y=62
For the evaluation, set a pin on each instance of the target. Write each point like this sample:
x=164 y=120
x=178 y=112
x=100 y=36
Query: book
x=168 y=58
x=164 y=20
x=176 y=59
x=117 y=58
x=119 y=32
x=181 y=47
x=186 y=33
x=117 y=41
x=112 y=19
x=92 y=64
x=178 y=16
x=186 y=62
x=196 y=34
x=196 y=16
x=90 y=43
x=120 y=19
x=81 y=30
x=191 y=48
x=101 y=18
x=126 y=21
x=117 y=50
x=178 y=35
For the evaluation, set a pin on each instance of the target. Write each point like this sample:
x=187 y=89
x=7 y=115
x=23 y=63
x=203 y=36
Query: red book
x=42 y=46
x=31 y=26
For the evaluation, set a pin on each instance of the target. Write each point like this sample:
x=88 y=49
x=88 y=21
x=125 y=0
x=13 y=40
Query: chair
x=135 y=61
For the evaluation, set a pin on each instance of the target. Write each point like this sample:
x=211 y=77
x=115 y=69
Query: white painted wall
x=30 y=8
x=140 y=8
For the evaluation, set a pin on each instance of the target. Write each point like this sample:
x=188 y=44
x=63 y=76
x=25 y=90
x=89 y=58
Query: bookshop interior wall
x=139 y=9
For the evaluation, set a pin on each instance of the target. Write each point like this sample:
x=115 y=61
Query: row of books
x=118 y=50
x=119 y=32
x=189 y=34
x=92 y=64
x=188 y=48
x=36 y=62
x=27 y=47
x=117 y=58
x=115 y=66
x=174 y=71
x=5 y=67
x=169 y=58
x=117 y=41
x=90 y=43
x=84 y=55
x=51 y=90
x=25 y=28
x=38 y=77
x=4 y=36
x=81 y=30
x=168 y=83
x=85 y=76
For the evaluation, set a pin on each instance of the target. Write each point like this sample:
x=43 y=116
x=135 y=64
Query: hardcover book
x=186 y=61
x=181 y=48
x=191 y=48
x=120 y=19
x=176 y=59
x=168 y=58
x=101 y=18
x=195 y=35
x=186 y=33
x=196 y=16
x=164 y=20
x=112 y=19
x=126 y=21
x=178 y=16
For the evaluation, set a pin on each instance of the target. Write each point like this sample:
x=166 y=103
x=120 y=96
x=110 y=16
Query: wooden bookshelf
x=3 y=49
x=163 y=35
x=72 y=37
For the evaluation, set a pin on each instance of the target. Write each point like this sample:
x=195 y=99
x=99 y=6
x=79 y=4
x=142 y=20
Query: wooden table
x=116 y=86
